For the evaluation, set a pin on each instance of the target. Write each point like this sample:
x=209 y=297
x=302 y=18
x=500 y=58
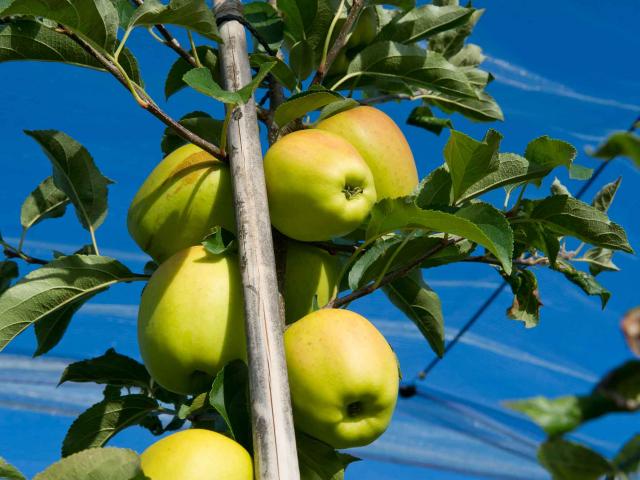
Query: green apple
x=319 y=186
x=187 y=194
x=196 y=454
x=343 y=377
x=191 y=319
x=382 y=145
x=310 y=272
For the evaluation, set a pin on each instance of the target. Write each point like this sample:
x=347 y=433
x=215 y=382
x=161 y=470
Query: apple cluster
x=322 y=183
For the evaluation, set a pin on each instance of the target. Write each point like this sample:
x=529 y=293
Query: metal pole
x=273 y=434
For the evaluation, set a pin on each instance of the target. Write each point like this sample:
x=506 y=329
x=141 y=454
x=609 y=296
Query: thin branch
x=10 y=252
x=388 y=278
x=147 y=102
x=341 y=41
x=392 y=97
x=171 y=41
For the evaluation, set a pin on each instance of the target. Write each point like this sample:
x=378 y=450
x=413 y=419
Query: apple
x=191 y=319
x=196 y=454
x=343 y=377
x=187 y=194
x=382 y=145
x=310 y=272
x=319 y=186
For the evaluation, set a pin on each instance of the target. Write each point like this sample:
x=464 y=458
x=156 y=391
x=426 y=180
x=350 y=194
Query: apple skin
x=310 y=271
x=343 y=377
x=187 y=194
x=191 y=319
x=382 y=145
x=319 y=186
x=196 y=454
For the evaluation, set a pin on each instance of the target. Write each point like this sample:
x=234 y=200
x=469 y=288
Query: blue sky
x=565 y=69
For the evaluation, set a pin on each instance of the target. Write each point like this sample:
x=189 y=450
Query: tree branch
x=147 y=102
x=389 y=277
x=11 y=252
x=340 y=42
x=171 y=41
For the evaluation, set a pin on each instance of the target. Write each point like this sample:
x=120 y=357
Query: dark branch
x=340 y=42
x=171 y=41
x=147 y=102
x=10 y=252
x=389 y=277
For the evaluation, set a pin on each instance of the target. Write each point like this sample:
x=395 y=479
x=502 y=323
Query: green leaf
x=31 y=40
x=537 y=236
x=9 y=472
x=199 y=123
x=301 y=59
x=319 y=461
x=469 y=160
x=422 y=22
x=435 y=189
x=512 y=170
x=220 y=241
x=194 y=15
x=8 y=271
x=265 y=19
x=423 y=117
x=230 y=397
x=50 y=329
x=549 y=152
x=628 y=458
x=563 y=414
x=480 y=222
x=112 y=368
x=75 y=173
x=568 y=216
x=469 y=56
x=336 y=107
x=450 y=42
x=46 y=201
x=208 y=58
x=97 y=425
x=95 y=20
x=599 y=260
x=422 y=305
x=199 y=402
x=482 y=108
x=407 y=65
x=526 y=301
x=281 y=71
x=96 y=464
x=622 y=385
x=604 y=198
x=55 y=286
x=580 y=172
x=201 y=80
x=585 y=281
x=299 y=105
x=571 y=461
x=620 y=144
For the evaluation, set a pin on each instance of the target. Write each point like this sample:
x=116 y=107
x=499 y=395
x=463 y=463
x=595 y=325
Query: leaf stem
x=327 y=41
x=198 y=64
x=125 y=37
x=93 y=240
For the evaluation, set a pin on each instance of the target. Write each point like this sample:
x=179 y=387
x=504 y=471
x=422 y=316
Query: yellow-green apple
x=191 y=319
x=310 y=272
x=319 y=186
x=184 y=196
x=382 y=145
x=343 y=377
x=196 y=454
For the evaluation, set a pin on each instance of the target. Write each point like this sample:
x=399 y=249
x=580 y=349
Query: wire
x=409 y=390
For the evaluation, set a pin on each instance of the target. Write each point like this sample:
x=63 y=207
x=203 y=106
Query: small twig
x=171 y=41
x=148 y=104
x=334 y=248
x=389 y=277
x=341 y=41
x=10 y=252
